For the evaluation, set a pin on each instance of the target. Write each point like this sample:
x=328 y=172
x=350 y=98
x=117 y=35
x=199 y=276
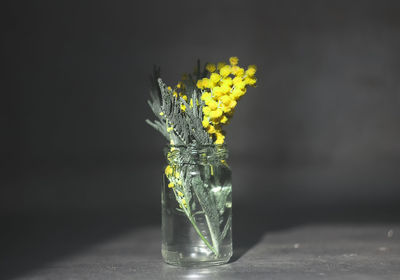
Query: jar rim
x=197 y=146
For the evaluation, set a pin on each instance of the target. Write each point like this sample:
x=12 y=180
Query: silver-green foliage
x=186 y=125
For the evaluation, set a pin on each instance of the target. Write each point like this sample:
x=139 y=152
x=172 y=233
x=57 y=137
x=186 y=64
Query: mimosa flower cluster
x=221 y=90
x=197 y=108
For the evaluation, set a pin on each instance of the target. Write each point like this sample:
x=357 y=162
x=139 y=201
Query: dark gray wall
x=321 y=130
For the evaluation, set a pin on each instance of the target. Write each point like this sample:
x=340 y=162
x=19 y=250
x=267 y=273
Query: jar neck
x=196 y=154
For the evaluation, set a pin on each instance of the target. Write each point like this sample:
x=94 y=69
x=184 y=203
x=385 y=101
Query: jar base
x=194 y=260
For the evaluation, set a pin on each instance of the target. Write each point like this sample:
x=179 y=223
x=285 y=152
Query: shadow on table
x=252 y=224
x=34 y=241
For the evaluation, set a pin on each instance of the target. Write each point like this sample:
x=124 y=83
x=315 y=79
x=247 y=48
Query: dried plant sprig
x=179 y=121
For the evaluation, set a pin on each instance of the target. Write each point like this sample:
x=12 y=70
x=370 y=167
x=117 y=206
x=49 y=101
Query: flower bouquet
x=197 y=189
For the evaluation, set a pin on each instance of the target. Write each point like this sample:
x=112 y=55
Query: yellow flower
x=171 y=185
x=169 y=88
x=251 y=70
x=199 y=84
x=210 y=67
x=217 y=91
x=161 y=114
x=211 y=129
x=175 y=94
x=183 y=201
x=177 y=174
x=225 y=89
x=224 y=119
x=233 y=60
x=237 y=80
x=237 y=93
x=216 y=114
x=206 y=111
x=213 y=105
x=214 y=77
x=250 y=81
x=168 y=170
x=206 y=95
x=169 y=129
x=239 y=72
x=220 y=65
x=226 y=100
x=183 y=107
x=220 y=138
x=227 y=81
x=225 y=71
x=179 y=85
x=206 y=83
x=240 y=85
x=205 y=123
x=179 y=193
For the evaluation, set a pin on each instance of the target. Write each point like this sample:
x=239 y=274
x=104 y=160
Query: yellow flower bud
x=215 y=77
x=232 y=104
x=224 y=119
x=171 y=185
x=237 y=93
x=213 y=105
x=237 y=80
x=220 y=138
x=220 y=65
x=183 y=107
x=206 y=95
x=225 y=71
x=226 y=100
x=206 y=111
x=210 y=67
x=225 y=89
x=233 y=60
x=251 y=70
x=205 y=123
x=227 y=81
x=239 y=72
x=241 y=85
x=206 y=83
x=199 y=84
x=216 y=114
x=168 y=170
x=250 y=81
x=179 y=193
x=211 y=129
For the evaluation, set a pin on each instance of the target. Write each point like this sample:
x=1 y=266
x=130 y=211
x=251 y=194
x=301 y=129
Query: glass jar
x=196 y=200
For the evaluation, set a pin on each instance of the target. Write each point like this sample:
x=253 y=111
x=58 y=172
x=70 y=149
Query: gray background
x=317 y=140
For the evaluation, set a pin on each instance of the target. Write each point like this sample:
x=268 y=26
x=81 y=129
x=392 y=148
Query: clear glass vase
x=196 y=199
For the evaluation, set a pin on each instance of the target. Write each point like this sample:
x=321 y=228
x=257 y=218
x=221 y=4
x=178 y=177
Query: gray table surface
x=334 y=251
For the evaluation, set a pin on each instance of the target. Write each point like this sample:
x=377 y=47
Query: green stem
x=202 y=236
x=213 y=238
x=193 y=221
